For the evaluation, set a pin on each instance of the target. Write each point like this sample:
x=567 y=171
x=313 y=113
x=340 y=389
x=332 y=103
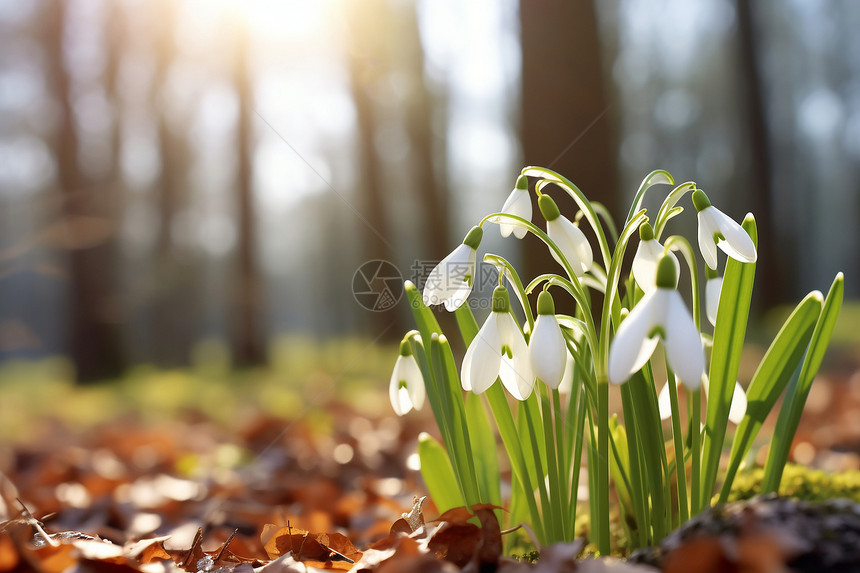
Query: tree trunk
x=768 y=267
x=247 y=335
x=566 y=120
x=92 y=323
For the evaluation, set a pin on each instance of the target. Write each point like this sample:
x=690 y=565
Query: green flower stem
x=579 y=294
x=696 y=450
x=656 y=177
x=578 y=398
x=637 y=485
x=644 y=401
x=732 y=316
x=601 y=210
x=677 y=438
x=515 y=281
x=551 y=526
x=551 y=177
x=511 y=440
x=603 y=541
x=679 y=243
x=668 y=209
x=460 y=445
x=552 y=463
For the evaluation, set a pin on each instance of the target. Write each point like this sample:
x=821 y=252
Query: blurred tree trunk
x=369 y=67
x=768 y=267
x=428 y=159
x=247 y=336
x=565 y=103
x=174 y=306
x=89 y=215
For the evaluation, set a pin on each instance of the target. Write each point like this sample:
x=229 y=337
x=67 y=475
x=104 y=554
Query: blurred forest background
x=174 y=171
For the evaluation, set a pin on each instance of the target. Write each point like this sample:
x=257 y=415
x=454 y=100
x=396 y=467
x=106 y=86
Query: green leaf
x=729 y=332
x=798 y=391
x=483 y=450
x=771 y=378
x=438 y=474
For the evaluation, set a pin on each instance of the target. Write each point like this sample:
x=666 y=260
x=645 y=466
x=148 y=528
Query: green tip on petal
x=700 y=200
x=667 y=274
x=646 y=232
x=710 y=273
x=545 y=304
x=522 y=182
x=548 y=208
x=501 y=300
x=405 y=347
x=473 y=239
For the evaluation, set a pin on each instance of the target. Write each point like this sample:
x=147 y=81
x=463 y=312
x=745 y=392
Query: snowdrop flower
x=660 y=314
x=450 y=282
x=520 y=204
x=647 y=256
x=498 y=351
x=547 y=350
x=406 y=389
x=713 y=287
x=716 y=229
x=737 y=410
x=570 y=240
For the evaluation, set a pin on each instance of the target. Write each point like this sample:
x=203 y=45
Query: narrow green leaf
x=483 y=450
x=729 y=332
x=438 y=474
x=792 y=407
x=770 y=379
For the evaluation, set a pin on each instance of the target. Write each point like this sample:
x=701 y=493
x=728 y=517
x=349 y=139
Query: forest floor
x=173 y=471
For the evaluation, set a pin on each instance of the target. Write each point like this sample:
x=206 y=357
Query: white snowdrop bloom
x=547 y=349
x=716 y=229
x=520 y=204
x=713 y=287
x=406 y=389
x=660 y=315
x=737 y=410
x=648 y=254
x=566 y=385
x=450 y=282
x=569 y=238
x=498 y=351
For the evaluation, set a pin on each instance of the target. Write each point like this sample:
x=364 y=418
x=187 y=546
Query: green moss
x=800 y=482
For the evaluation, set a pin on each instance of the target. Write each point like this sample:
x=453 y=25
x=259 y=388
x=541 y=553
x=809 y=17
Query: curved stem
x=656 y=177
x=679 y=243
x=548 y=176
x=668 y=209
x=516 y=283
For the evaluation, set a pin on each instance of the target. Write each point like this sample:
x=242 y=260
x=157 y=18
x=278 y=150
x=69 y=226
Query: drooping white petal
x=683 y=343
x=648 y=254
x=664 y=402
x=738 y=244
x=483 y=357
x=518 y=203
x=566 y=385
x=450 y=282
x=738 y=409
x=515 y=371
x=713 y=287
x=707 y=228
x=573 y=244
x=406 y=389
x=631 y=348
x=547 y=350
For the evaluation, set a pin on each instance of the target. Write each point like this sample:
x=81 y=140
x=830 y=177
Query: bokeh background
x=197 y=181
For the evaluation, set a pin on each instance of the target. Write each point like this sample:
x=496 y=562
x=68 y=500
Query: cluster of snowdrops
x=558 y=368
